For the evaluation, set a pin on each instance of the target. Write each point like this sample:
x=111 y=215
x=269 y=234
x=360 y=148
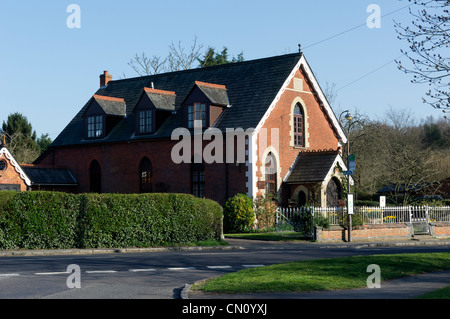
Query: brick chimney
x=105 y=78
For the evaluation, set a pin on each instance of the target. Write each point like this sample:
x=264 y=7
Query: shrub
x=265 y=212
x=41 y=220
x=142 y=220
x=238 y=214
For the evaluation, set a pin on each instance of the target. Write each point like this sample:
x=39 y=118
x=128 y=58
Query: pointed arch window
x=271 y=174
x=299 y=126
x=145 y=174
x=95 y=177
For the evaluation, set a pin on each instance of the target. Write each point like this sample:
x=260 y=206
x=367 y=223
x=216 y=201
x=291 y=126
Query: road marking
x=52 y=273
x=252 y=266
x=142 y=270
x=100 y=271
x=181 y=268
x=9 y=275
x=218 y=267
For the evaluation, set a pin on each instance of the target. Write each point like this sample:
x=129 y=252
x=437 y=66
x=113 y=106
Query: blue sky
x=48 y=71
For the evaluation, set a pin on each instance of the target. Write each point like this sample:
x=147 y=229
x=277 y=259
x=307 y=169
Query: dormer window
x=95 y=126
x=102 y=115
x=197 y=115
x=204 y=104
x=145 y=121
x=153 y=108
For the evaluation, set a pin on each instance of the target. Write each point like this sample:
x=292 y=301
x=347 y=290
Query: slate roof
x=41 y=175
x=217 y=94
x=311 y=167
x=162 y=100
x=251 y=87
x=111 y=106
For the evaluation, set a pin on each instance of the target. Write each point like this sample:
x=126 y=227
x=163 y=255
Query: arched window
x=270 y=174
x=198 y=179
x=299 y=126
x=145 y=175
x=95 y=177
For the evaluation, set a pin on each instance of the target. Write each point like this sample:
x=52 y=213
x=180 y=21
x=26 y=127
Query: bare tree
x=179 y=58
x=429 y=39
x=330 y=92
x=144 y=65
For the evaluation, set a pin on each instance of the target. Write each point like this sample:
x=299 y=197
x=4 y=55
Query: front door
x=334 y=192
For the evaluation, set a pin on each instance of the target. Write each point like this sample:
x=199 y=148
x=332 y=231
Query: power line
x=369 y=73
x=354 y=28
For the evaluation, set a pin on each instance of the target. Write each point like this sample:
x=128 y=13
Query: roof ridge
x=158 y=91
x=217 y=86
x=108 y=98
x=199 y=69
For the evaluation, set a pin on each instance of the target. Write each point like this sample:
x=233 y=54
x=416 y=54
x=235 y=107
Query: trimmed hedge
x=53 y=220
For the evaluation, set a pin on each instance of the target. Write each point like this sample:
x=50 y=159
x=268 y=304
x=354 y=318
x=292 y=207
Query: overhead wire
x=354 y=28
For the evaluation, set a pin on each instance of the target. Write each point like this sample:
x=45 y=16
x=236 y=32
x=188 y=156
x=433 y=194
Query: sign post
x=350 y=205
x=350 y=212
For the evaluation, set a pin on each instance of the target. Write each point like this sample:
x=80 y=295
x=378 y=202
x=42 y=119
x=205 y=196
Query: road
x=158 y=275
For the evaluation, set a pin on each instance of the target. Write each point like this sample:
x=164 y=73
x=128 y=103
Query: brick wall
x=120 y=163
x=319 y=132
x=367 y=233
x=440 y=229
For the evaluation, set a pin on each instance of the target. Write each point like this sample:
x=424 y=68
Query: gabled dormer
x=152 y=109
x=102 y=114
x=204 y=104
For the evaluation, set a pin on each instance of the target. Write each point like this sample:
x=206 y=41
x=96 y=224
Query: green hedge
x=238 y=214
x=52 y=220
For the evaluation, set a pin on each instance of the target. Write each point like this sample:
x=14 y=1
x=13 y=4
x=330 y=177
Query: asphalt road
x=157 y=275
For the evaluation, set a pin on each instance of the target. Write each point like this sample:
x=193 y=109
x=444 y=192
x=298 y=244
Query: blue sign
x=348 y=173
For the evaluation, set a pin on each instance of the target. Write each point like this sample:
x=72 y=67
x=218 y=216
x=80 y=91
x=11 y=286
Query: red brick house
x=122 y=140
x=12 y=176
x=22 y=177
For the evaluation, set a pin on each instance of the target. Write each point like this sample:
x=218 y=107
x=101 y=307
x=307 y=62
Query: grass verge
x=324 y=274
x=443 y=293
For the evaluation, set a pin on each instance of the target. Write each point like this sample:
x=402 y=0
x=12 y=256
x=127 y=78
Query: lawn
x=443 y=293
x=324 y=274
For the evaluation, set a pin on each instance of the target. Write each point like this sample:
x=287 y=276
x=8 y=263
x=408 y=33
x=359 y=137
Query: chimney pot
x=105 y=78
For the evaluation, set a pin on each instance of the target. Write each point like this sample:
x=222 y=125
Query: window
x=271 y=174
x=95 y=176
x=299 y=126
x=95 y=126
x=145 y=174
x=145 y=121
x=2 y=165
x=198 y=180
x=196 y=113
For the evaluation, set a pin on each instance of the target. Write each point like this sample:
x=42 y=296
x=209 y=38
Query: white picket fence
x=371 y=215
